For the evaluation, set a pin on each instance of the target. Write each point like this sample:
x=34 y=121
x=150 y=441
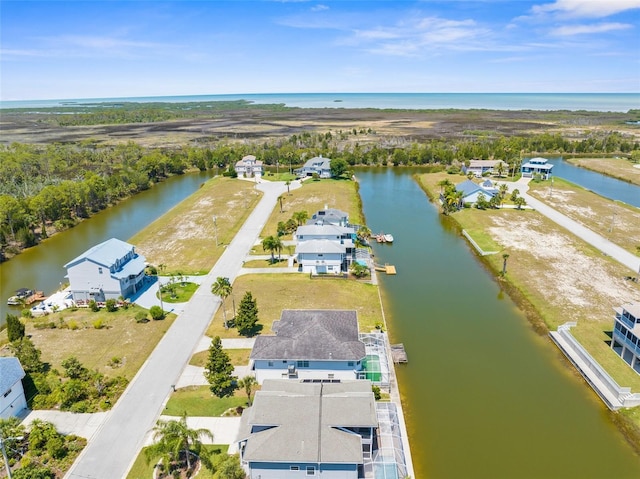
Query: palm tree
x=503 y=189
x=300 y=217
x=364 y=233
x=280 y=200
x=174 y=438
x=500 y=169
x=248 y=383
x=272 y=243
x=288 y=183
x=222 y=288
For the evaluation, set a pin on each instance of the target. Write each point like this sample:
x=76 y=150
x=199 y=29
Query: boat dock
x=398 y=353
x=387 y=268
x=25 y=296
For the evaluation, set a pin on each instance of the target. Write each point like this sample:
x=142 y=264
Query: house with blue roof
x=470 y=191
x=12 y=400
x=108 y=270
x=318 y=164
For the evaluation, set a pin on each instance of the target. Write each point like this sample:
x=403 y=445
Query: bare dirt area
x=248 y=123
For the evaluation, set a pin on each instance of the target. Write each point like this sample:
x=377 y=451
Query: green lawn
x=238 y=357
x=142 y=469
x=199 y=401
x=182 y=292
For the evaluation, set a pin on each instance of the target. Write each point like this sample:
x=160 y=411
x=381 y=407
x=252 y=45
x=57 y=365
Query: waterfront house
x=298 y=429
x=626 y=334
x=318 y=164
x=537 y=166
x=340 y=234
x=249 y=167
x=329 y=216
x=310 y=344
x=12 y=399
x=108 y=270
x=325 y=248
x=481 y=167
x=471 y=191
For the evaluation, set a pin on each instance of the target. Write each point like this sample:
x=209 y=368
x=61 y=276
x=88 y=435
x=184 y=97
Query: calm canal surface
x=484 y=396
x=42 y=267
x=606 y=186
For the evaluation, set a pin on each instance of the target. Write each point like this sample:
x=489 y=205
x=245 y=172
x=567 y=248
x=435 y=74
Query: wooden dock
x=387 y=268
x=398 y=353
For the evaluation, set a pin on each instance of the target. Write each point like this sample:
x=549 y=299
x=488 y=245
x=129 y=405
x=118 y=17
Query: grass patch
x=275 y=292
x=120 y=337
x=142 y=469
x=618 y=222
x=188 y=232
x=266 y=263
x=238 y=357
x=313 y=196
x=200 y=402
x=620 y=168
x=281 y=176
x=182 y=292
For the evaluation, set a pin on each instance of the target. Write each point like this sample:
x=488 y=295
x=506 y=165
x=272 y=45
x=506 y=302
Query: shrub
x=73 y=325
x=93 y=306
x=156 y=312
x=111 y=305
x=99 y=323
x=141 y=317
x=376 y=392
x=26 y=313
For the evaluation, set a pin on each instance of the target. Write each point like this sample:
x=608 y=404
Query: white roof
x=321 y=246
x=105 y=253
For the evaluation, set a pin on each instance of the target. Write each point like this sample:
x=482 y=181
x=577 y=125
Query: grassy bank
x=554 y=277
x=199 y=401
x=616 y=221
x=184 y=239
x=620 y=168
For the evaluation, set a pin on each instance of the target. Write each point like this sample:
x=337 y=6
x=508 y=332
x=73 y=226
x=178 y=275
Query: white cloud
x=319 y=8
x=568 y=30
x=586 y=8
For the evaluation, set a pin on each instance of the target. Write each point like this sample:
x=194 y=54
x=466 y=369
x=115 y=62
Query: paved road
x=112 y=450
x=607 y=247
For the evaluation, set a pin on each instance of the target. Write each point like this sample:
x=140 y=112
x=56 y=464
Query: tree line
x=44 y=189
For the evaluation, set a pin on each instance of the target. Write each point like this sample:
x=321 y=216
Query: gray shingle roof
x=304 y=419
x=10 y=373
x=312 y=335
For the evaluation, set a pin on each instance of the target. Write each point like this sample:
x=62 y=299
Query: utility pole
x=215 y=229
x=6 y=459
x=160 y=294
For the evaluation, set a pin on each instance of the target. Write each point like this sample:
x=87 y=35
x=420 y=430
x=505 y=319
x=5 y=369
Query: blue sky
x=57 y=49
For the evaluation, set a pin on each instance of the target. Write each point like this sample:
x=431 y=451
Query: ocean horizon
x=604 y=102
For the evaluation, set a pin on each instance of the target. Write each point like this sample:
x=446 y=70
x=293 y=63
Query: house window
x=303 y=364
x=270 y=364
x=320 y=255
x=311 y=471
x=350 y=364
x=99 y=270
x=294 y=468
x=7 y=393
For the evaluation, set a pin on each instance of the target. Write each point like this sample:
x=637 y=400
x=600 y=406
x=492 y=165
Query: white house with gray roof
x=249 y=167
x=108 y=270
x=299 y=429
x=310 y=344
x=537 y=166
x=324 y=249
x=12 y=400
x=318 y=164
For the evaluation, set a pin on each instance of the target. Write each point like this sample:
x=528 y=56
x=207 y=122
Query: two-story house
x=249 y=167
x=626 y=334
x=481 y=167
x=325 y=248
x=537 y=166
x=318 y=164
x=108 y=270
x=12 y=400
x=300 y=429
x=310 y=344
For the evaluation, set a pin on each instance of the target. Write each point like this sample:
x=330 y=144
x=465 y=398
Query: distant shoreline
x=603 y=102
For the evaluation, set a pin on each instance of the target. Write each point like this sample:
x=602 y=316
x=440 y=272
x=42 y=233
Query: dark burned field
x=267 y=123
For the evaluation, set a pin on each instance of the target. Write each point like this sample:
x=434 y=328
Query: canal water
x=484 y=396
x=42 y=267
x=606 y=186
